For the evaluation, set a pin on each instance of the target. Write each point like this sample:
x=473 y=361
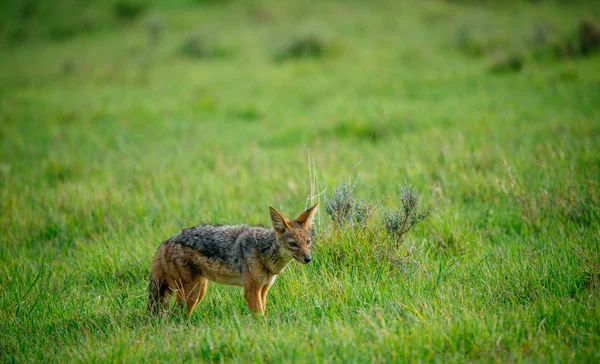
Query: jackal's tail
x=158 y=295
x=158 y=289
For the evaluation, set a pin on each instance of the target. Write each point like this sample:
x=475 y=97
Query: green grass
x=108 y=146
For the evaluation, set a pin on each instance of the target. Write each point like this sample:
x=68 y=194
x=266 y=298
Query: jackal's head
x=294 y=235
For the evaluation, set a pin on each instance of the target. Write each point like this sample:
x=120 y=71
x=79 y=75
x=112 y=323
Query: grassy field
x=121 y=125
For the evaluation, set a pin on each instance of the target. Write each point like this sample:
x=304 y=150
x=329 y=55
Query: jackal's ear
x=305 y=217
x=280 y=222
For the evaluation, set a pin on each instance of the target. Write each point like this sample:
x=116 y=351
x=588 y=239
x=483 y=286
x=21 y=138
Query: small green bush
x=345 y=210
x=307 y=46
x=399 y=222
x=129 y=10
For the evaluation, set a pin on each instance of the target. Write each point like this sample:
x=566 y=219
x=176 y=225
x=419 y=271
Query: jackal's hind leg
x=192 y=293
x=197 y=292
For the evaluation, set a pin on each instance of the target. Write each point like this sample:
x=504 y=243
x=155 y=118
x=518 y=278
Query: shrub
x=128 y=10
x=399 y=222
x=344 y=209
x=155 y=28
x=195 y=47
x=589 y=37
x=509 y=63
x=307 y=46
x=340 y=205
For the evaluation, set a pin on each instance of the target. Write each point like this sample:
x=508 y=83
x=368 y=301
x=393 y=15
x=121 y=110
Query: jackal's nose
x=307 y=259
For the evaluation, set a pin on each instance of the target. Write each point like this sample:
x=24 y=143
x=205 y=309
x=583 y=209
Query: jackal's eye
x=292 y=243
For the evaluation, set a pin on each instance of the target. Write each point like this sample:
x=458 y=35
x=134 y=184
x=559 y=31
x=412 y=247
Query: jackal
x=240 y=255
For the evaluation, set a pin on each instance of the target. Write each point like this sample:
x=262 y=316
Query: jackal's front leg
x=263 y=295
x=252 y=294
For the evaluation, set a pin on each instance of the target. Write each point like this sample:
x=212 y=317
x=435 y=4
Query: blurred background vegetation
x=123 y=121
